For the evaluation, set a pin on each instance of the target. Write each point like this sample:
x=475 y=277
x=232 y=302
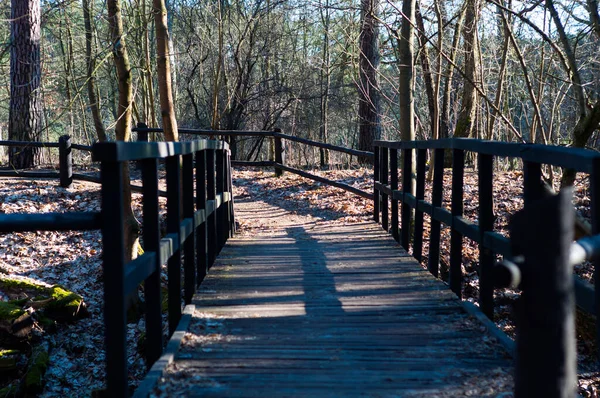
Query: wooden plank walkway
x=303 y=307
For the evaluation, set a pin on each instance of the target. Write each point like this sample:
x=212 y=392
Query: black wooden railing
x=65 y=160
x=198 y=225
x=278 y=162
x=535 y=259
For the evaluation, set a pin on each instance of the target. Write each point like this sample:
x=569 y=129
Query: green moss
x=47 y=323
x=20 y=284
x=64 y=298
x=9 y=311
x=38 y=363
x=19 y=303
x=64 y=304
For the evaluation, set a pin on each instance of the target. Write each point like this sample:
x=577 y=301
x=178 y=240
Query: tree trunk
x=325 y=86
x=165 y=88
x=25 y=112
x=406 y=72
x=368 y=103
x=466 y=116
x=123 y=126
x=503 y=30
x=406 y=68
x=449 y=73
x=427 y=78
x=90 y=59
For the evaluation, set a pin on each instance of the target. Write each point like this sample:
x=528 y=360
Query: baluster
x=211 y=227
x=456 y=239
x=394 y=187
x=113 y=263
x=220 y=187
x=174 y=228
x=420 y=195
x=436 y=200
x=189 y=248
x=376 y=198
x=152 y=292
x=231 y=215
x=201 y=257
x=406 y=190
x=383 y=177
x=486 y=223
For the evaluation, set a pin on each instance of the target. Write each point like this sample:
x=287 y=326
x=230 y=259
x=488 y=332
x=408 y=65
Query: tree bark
x=165 y=87
x=123 y=127
x=406 y=68
x=325 y=86
x=449 y=75
x=501 y=75
x=90 y=59
x=406 y=72
x=368 y=103
x=425 y=64
x=466 y=117
x=25 y=113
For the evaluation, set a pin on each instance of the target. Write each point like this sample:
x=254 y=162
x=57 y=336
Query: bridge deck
x=301 y=307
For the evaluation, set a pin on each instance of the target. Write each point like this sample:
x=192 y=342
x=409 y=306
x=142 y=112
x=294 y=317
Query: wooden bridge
x=315 y=308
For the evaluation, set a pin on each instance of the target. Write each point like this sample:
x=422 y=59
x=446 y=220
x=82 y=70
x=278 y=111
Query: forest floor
x=73 y=259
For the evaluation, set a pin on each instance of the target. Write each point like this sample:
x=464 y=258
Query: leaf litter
x=73 y=259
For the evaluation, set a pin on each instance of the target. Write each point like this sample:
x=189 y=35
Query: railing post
x=486 y=223
x=394 y=187
x=406 y=189
x=376 y=172
x=433 y=264
x=201 y=256
x=419 y=194
x=279 y=152
x=542 y=234
x=189 y=247
x=174 y=227
x=532 y=181
x=142 y=136
x=113 y=265
x=456 y=239
x=152 y=291
x=65 y=161
x=384 y=171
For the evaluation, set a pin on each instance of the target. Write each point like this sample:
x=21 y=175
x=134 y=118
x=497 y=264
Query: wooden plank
x=307 y=310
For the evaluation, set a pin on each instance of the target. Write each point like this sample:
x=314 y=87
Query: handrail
x=318 y=144
x=278 y=163
x=545 y=243
x=200 y=219
x=574 y=158
x=65 y=160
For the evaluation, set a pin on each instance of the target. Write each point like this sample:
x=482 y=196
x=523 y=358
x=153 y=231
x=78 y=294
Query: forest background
x=338 y=71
